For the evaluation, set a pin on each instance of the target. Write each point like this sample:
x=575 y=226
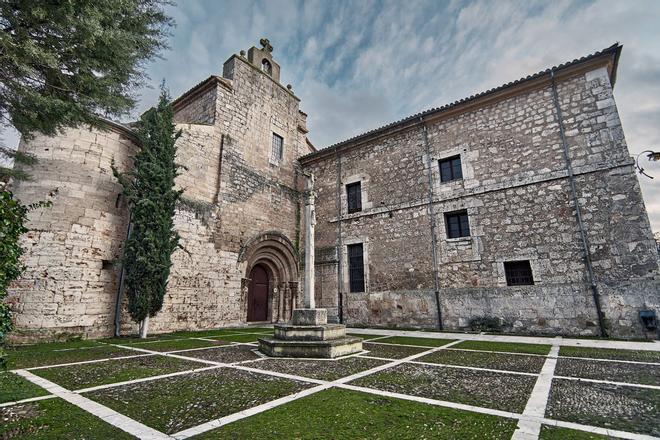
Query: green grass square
x=13 y=387
x=178 y=344
x=37 y=356
x=512 y=347
x=176 y=403
x=611 y=353
x=422 y=342
x=329 y=369
x=344 y=414
x=54 y=419
x=556 y=433
x=391 y=351
x=496 y=361
x=252 y=337
x=76 y=377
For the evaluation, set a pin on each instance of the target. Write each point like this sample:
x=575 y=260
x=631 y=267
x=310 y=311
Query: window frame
x=518 y=276
x=357 y=194
x=280 y=157
x=455 y=168
x=463 y=226
x=356 y=263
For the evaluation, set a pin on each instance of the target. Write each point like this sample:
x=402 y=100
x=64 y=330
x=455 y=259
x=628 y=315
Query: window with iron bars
x=355 y=268
x=278 y=148
x=354 y=197
x=518 y=273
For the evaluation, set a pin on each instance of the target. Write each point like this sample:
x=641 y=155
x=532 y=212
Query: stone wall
x=70 y=282
x=517 y=194
x=234 y=193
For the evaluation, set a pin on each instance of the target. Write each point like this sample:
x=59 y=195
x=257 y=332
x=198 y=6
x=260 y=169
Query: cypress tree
x=149 y=190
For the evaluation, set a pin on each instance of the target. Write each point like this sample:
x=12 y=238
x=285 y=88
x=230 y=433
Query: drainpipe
x=120 y=289
x=340 y=271
x=578 y=212
x=431 y=211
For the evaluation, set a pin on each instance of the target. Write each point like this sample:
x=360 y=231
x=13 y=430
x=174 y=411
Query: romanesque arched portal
x=273 y=253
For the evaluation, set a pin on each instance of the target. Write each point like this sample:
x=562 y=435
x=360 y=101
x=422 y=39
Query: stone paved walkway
x=530 y=419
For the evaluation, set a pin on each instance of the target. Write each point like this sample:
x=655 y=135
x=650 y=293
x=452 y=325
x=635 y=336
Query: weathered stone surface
x=310 y=349
x=310 y=317
x=242 y=207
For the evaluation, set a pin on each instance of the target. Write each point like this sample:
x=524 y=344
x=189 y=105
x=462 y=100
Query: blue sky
x=359 y=64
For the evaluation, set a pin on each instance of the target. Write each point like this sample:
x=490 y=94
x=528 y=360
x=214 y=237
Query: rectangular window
x=450 y=169
x=355 y=268
x=457 y=224
x=354 y=196
x=278 y=147
x=518 y=273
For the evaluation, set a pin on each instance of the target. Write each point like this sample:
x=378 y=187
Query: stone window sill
x=459 y=239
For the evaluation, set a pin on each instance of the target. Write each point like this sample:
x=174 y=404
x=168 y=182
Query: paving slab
x=507 y=392
x=610 y=406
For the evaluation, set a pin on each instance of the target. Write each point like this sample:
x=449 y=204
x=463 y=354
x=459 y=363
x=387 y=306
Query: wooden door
x=258 y=295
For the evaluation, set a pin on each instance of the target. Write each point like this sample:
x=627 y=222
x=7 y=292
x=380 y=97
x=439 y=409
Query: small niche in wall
x=107 y=265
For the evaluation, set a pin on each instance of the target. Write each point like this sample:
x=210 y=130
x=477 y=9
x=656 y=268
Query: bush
x=12 y=225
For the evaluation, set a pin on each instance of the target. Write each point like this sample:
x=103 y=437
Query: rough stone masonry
x=515 y=210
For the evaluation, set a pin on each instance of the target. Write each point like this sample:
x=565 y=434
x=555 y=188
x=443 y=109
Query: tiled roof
x=614 y=50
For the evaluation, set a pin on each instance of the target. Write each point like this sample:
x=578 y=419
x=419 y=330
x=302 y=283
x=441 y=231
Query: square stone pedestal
x=309 y=335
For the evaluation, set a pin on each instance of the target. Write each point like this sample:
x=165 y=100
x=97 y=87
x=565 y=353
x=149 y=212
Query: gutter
x=120 y=289
x=340 y=270
x=431 y=211
x=578 y=213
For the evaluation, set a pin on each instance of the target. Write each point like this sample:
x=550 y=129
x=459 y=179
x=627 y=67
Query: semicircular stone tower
x=71 y=278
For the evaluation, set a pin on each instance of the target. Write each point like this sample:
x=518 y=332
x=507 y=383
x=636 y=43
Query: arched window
x=266 y=67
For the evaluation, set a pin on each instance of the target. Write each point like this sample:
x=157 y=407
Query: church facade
x=514 y=210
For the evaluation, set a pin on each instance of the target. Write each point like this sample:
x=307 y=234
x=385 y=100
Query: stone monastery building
x=516 y=208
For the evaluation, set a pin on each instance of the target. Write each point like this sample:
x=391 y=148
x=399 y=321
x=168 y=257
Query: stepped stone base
x=310 y=349
x=310 y=336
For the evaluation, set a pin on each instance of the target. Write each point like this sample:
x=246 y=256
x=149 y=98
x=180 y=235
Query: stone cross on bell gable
x=265 y=44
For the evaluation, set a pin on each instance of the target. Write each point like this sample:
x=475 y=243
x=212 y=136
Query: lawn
x=402 y=387
x=409 y=340
x=610 y=353
x=176 y=403
x=13 y=387
x=344 y=414
x=54 y=419
x=511 y=347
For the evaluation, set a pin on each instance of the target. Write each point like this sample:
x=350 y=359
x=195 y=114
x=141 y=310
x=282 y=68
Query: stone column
x=310 y=222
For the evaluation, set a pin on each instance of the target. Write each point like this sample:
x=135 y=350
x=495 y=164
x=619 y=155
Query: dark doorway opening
x=258 y=294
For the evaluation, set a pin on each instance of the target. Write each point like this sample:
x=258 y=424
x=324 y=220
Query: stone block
x=310 y=317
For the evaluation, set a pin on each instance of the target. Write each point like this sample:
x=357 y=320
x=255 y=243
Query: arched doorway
x=269 y=260
x=258 y=294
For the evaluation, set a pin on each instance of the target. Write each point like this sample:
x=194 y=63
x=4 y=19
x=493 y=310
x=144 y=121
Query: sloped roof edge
x=614 y=51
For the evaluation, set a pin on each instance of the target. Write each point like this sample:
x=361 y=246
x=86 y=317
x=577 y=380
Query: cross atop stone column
x=309 y=334
x=310 y=223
